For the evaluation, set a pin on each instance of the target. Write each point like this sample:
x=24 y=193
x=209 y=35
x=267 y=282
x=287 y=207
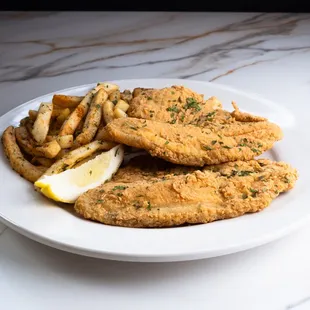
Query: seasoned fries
x=108 y=114
x=118 y=113
x=93 y=118
x=33 y=114
x=77 y=155
x=65 y=132
x=77 y=115
x=45 y=162
x=65 y=142
x=25 y=141
x=115 y=96
x=49 y=149
x=16 y=158
x=122 y=105
x=67 y=101
x=63 y=116
x=109 y=87
x=42 y=122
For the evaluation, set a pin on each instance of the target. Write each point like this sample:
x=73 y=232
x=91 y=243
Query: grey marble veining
x=193 y=45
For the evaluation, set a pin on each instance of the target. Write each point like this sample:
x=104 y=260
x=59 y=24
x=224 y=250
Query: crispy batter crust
x=196 y=146
x=200 y=196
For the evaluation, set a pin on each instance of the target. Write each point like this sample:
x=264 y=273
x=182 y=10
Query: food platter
x=56 y=224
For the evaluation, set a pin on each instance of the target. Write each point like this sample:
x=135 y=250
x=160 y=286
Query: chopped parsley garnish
x=90 y=172
x=220 y=136
x=182 y=117
x=259 y=145
x=98 y=106
x=208 y=148
x=255 y=150
x=101 y=191
x=213 y=142
x=227 y=147
x=191 y=103
x=243 y=173
x=120 y=187
x=114 y=101
x=173 y=108
x=100 y=200
x=119 y=194
x=210 y=116
x=166 y=142
x=133 y=128
x=261 y=177
x=149 y=207
x=286 y=180
x=149 y=98
x=254 y=192
x=173 y=121
x=244 y=196
x=172 y=93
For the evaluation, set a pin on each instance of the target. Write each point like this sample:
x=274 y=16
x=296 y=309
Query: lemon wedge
x=67 y=186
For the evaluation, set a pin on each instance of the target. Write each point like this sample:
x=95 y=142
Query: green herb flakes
x=120 y=187
x=191 y=103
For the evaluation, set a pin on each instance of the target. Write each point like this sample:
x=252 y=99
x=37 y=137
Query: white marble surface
x=267 y=54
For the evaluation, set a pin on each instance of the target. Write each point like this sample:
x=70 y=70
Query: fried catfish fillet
x=187 y=197
x=193 y=145
x=180 y=105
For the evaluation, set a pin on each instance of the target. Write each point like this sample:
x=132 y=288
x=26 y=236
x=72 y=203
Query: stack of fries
x=65 y=132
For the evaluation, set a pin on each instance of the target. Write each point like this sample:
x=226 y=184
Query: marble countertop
x=268 y=54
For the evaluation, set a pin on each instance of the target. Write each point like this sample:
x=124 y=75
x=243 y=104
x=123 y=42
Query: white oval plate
x=26 y=211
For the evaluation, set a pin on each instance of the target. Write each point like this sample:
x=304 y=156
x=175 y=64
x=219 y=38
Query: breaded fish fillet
x=193 y=145
x=180 y=105
x=189 y=197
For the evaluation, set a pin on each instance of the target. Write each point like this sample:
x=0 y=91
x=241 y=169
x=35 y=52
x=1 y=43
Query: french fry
x=65 y=101
x=42 y=122
x=115 y=96
x=118 y=113
x=16 y=158
x=107 y=109
x=65 y=142
x=72 y=157
x=63 y=115
x=72 y=122
x=62 y=153
x=45 y=162
x=49 y=149
x=109 y=87
x=33 y=114
x=122 y=105
x=93 y=118
x=50 y=138
x=24 y=121
x=25 y=141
